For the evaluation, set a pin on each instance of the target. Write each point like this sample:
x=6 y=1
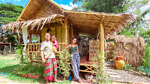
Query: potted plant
x=34 y=75
x=23 y=74
x=35 y=72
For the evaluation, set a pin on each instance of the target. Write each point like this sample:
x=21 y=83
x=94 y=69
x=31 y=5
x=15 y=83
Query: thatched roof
x=38 y=9
x=37 y=13
x=36 y=24
x=88 y=22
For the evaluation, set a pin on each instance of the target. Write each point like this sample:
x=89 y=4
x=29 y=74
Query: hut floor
x=83 y=61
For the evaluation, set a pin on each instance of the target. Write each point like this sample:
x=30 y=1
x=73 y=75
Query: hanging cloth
x=25 y=37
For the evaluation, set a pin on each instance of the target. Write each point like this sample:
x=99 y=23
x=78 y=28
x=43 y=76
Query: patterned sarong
x=50 y=72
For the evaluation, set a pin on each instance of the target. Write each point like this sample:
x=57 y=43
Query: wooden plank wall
x=56 y=30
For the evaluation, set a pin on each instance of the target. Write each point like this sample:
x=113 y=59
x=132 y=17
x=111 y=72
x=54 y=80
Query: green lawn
x=8 y=64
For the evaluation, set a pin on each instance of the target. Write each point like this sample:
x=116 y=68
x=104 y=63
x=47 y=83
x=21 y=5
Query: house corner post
x=102 y=61
x=66 y=24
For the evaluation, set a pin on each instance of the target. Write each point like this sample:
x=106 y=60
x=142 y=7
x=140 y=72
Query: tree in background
x=9 y=12
x=107 y=6
x=136 y=8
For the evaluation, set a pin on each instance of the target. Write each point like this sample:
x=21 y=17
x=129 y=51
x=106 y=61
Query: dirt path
x=5 y=80
x=125 y=76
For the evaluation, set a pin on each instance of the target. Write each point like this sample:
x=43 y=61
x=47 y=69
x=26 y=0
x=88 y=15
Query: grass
x=8 y=65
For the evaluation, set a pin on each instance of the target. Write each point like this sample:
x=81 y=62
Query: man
x=48 y=59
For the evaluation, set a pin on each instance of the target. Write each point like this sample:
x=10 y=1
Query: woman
x=75 y=60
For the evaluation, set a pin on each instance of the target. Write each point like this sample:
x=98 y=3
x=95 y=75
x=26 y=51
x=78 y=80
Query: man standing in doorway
x=49 y=60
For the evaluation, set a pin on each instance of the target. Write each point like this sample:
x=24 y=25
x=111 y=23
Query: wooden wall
x=56 y=30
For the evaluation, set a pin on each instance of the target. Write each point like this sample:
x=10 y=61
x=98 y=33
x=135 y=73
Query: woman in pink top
x=55 y=43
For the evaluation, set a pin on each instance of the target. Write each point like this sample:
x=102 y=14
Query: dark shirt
x=73 y=49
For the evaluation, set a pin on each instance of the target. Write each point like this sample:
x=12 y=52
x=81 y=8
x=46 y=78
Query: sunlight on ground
x=8 y=63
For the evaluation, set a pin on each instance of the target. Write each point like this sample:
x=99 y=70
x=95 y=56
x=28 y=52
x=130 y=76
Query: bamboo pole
x=102 y=61
x=30 y=37
x=72 y=35
x=66 y=32
x=20 y=46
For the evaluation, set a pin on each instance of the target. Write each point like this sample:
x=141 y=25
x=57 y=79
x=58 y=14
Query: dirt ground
x=125 y=76
x=118 y=76
x=5 y=80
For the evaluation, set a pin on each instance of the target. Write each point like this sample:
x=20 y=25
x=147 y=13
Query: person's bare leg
x=80 y=81
x=47 y=82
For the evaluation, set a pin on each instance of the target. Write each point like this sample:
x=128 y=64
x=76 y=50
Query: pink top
x=56 y=44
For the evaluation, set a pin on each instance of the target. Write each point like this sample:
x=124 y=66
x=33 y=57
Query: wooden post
x=20 y=45
x=102 y=61
x=72 y=35
x=66 y=31
x=30 y=38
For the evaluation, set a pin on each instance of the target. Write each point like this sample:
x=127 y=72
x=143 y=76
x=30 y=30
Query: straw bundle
x=94 y=46
x=39 y=23
x=131 y=48
x=109 y=47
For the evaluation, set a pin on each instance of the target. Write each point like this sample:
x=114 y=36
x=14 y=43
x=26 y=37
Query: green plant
x=64 y=64
x=112 y=44
x=146 y=69
x=128 y=67
x=146 y=57
x=101 y=76
x=29 y=68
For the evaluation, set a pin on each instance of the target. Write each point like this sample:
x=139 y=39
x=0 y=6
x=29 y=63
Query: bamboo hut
x=40 y=16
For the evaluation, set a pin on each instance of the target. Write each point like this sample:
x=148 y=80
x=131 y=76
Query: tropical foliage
x=101 y=76
x=107 y=6
x=9 y=12
x=64 y=64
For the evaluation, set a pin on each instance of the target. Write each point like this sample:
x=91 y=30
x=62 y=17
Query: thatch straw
x=131 y=48
x=89 y=21
x=32 y=23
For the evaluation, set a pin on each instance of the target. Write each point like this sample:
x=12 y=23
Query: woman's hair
x=53 y=37
x=74 y=38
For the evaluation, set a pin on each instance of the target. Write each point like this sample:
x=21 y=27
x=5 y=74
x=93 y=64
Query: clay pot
x=119 y=63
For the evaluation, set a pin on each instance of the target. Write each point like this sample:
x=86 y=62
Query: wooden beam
x=84 y=21
x=30 y=37
x=72 y=34
x=102 y=61
x=86 y=24
x=91 y=13
x=66 y=31
x=85 y=18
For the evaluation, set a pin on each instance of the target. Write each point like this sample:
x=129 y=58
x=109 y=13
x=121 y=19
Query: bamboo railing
x=33 y=51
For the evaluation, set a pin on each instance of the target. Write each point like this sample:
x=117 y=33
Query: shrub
x=64 y=64
x=101 y=76
x=128 y=67
x=146 y=57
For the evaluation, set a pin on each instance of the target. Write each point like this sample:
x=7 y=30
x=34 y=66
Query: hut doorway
x=83 y=42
